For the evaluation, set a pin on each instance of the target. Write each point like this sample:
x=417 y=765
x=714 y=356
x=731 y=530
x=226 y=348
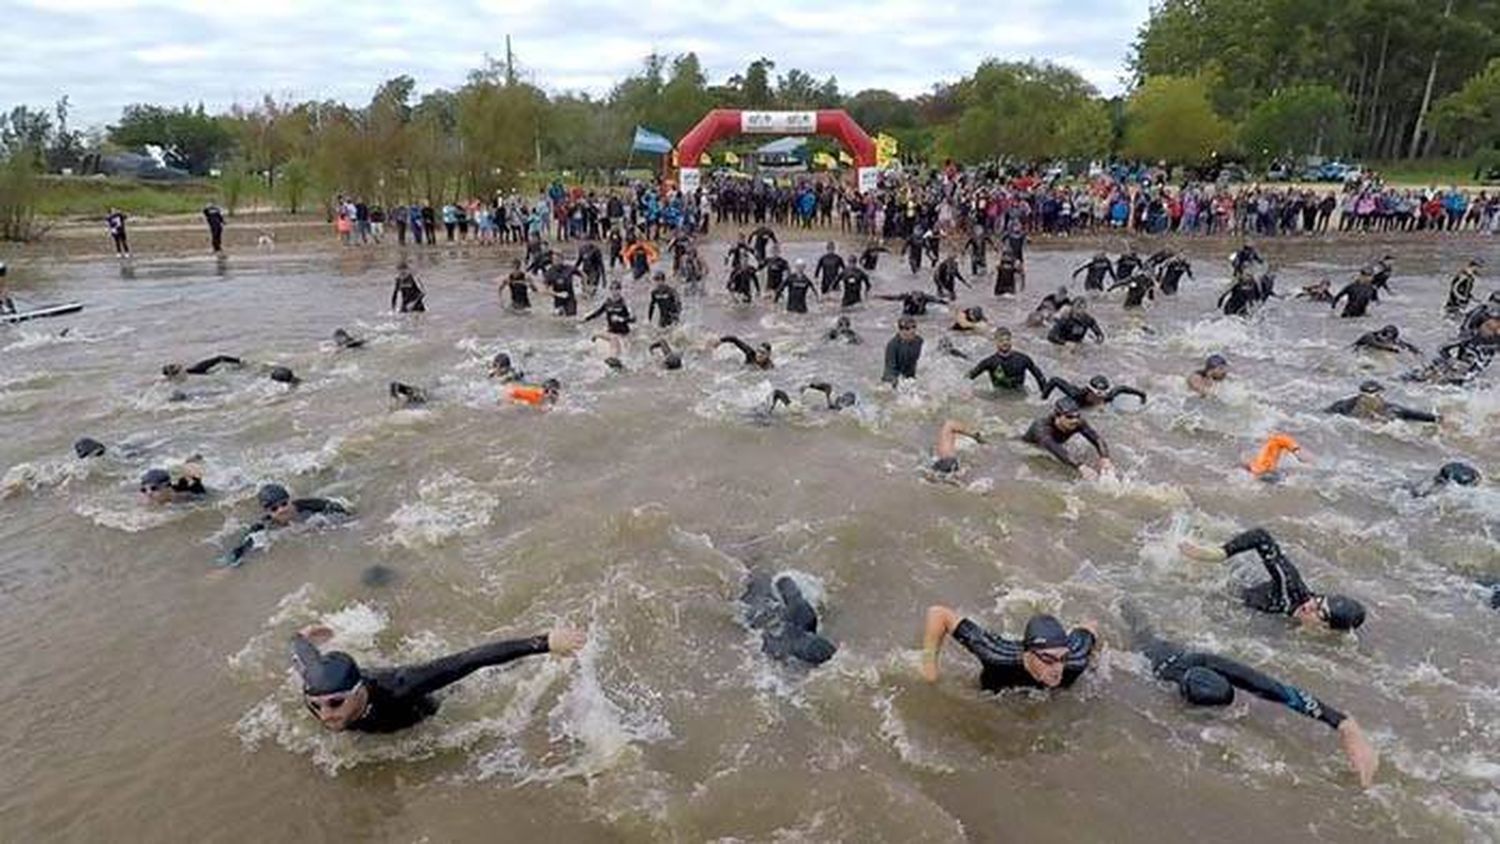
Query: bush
x=18 y=198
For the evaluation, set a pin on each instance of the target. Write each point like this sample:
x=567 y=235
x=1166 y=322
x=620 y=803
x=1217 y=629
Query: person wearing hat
x=343 y=696
x=776 y=268
x=519 y=286
x=756 y=356
x=669 y=358
x=1047 y=309
x=1205 y=679
x=946 y=277
x=1285 y=593
x=278 y=510
x=1052 y=432
x=1204 y=381
x=1169 y=274
x=1097 y=392
x=1461 y=288
x=1074 y=324
x=159 y=486
x=1385 y=339
x=1138 y=288
x=1047 y=656
x=744 y=280
x=502 y=369
x=345 y=340
x=829 y=269
x=1371 y=404
x=1007 y=367
x=1241 y=296
x=412 y=296
x=87 y=447
x=902 y=352
x=1482 y=317
x=1380 y=272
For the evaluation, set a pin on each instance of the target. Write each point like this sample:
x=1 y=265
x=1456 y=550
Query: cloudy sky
x=105 y=54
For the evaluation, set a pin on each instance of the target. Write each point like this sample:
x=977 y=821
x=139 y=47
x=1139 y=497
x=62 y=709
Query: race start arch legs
x=726 y=123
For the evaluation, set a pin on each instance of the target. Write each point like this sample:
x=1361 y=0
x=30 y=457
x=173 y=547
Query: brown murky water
x=148 y=694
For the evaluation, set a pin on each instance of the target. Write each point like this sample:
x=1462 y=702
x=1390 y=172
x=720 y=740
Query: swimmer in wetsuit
x=1461 y=288
x=558 y=279
x=843 y=330
x=968 y=319
x=1009 y=280
x=946 y=278
x=758 y=356
x=413 y=297
x=913 y=302
x=1047 y=656
x=502 y=370
x=742 y=280
x=977 y=246
x=843 y=400
x=1170 y=273
x=406 y=394
x=855 y=283
x=1097 y=392
x=1319 y=291
x=1074 y=325
x=1241 y=297
x=902 y=352
x=1387 y=339
x=1097 y=268
x=776 y=269
x=669 y=359
x=1205 y=679
x=1456 y=473
x=616 y=313
x=945 y=451
x=1380 y=272
x=88 y=447
x=1138 y=288
x=665 y=305
x=344 y=697
x=1370 y=404
x=1007 y=367
x=1047 y=309
x=761 y=238
x=520 y=286
x=1243 y=258
x=1359 y=293
x=345 y=340
x=788 y=623
x=1052 y=432
x=159 y=486
x=1204 y=381
x=176 y=371
x=1285 y=593
x=279 y=509
x=829 y=269
x=796 y=288
x=869 y=259
x=1128 y=264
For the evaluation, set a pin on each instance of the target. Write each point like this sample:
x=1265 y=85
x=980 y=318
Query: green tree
x=189 y=138
x=18 y=193
x=1303 y=120
x=294 y=183
x=1469 y=119
x=880 y=111
x=1029 y=111
x=1170 y=119
x=232 y=185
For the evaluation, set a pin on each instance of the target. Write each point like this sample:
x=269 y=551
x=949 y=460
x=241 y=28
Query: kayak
x=43 y=312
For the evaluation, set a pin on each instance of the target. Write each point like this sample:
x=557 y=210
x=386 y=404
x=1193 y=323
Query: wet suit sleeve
x=236 y=555
x=1341 y=295
x=1288 y=591
x=892 y=361
x=1093 y=328
x=395 y=291
x=987 y=365
x=744 y=347
x=203 y=367
x=1036 y=372
x=1263 y=686
x=1041 y=434
x=1123 y=391
x=1088 y=433
x=320 y=505
x=1410 y=414
x=428 y=677
x=597 y=311
x=1083 y=268
x=1343 y=407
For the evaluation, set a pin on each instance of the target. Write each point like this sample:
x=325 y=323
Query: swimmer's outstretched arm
x=1123 y=391
x=939 y=625
x=428 y=677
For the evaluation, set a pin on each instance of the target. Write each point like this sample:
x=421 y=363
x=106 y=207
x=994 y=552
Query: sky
x=105 y=54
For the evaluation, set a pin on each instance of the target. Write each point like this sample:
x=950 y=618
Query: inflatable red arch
x=727 y=122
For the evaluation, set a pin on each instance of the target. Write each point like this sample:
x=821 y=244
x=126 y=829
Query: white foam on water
x=446 y=507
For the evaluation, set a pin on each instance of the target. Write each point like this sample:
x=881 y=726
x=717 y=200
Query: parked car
x=1279 y=173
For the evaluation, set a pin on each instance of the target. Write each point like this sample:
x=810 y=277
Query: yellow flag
x=823 y=159
x=844 y=159
x=704 y=160
x=886 y=149
x=731 y=158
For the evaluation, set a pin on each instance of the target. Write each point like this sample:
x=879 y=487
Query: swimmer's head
x=88 y=447
x=283 y=375
x=1205 y=687
x=276 y=503
x=500 y=365
x=615 y=364
x=659 y=277
x=842 y=323
x=1079 y=305
x=974 y=314
x=800 y=264
x=672 y=361
x=156 y=486
x=515 y=263
x=1338 y=612
x=763 y=353
x=1216 y=367
x=1452 y=473
x=1066 y=414
x=906 y=324
x=830 y=246
x=333 y=689
x=1099 y=384
x=1389 y=332
x=1371 y=387
x=551 y=388
x=172 y=371
x=1062 y=293
x=1002 y=339
x=1045 y=654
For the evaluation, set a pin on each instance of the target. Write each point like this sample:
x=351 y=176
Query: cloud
x=105 y=54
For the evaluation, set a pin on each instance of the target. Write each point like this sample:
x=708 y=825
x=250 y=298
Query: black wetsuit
x=855 y=283
x=305 y=507
x=1008 y=370
x=1172 y=272
x=590 y=264
x=1097 y=268
x=520 y=290
x=401 y=697
x=204 y=367
x=1360 y=294
x=915 y=302
x=1379 y=342
x=1380 y=275
x=745 y=349
x=977 y=247
x=664 y=301
x=1315 y=293
x=945 y=277
x=616 y=313
x=1014 y=243
x=913 y=249
x=776 y=268
x=1126 y=265
x=740 y=283
x=830 y=267
x=789 y=625
x=1460 y=292
x=1171 y=661
x=564 y=300
x=1000 y=658
x=1138 y=288
x=760 y=239
x=1379 y=408
x=1045 y=434
x=1074 y=327
x=215 y=219
x=1285 y=591
x=901 y=356
x=1088 y=396
x=739 y=255
x=870 y=258
x=1007 y=275
x=1241 y=297
x=1242 y=258
x=796 y=289
x=409 y=292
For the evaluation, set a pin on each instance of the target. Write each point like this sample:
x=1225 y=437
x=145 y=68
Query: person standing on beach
x=116 y=223
x=215 y=218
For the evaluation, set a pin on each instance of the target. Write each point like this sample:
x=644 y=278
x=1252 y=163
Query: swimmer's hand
x=1106 y=465
x=1201 y=553
x=1087 y=472
x=565 y=640
x=318 y=634
x=1363 y=758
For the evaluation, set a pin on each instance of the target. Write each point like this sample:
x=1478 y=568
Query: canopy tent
x=782 y=146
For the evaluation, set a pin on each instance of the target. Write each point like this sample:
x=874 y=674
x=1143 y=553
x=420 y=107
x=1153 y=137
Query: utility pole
x=1437 y=53
x=510 y=64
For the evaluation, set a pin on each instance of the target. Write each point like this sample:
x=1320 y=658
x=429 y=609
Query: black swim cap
x=552 y=385
x=614 y=363
x=324 y=674
x=283 y=375
x=1389 y=330
x=501 y=361
x=155 y=479
x=88 y=447
x=271 y=495
x=1456 y=472
x=1064 y=406
x=1099 y=383
x=1344 y=613
x=845 y=399
x=841 y=322
x=171 y=370
x=1371 y=387
x=1215 y=361
x=672 y=361
x=976 y=314
x=812 y=648
x=1044 y=631
x=1205 y=687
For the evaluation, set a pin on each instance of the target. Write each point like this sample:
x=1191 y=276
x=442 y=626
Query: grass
x=1439 y=172
x=92 y=197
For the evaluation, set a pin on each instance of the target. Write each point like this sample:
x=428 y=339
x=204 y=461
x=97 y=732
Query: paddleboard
x=43 y=312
